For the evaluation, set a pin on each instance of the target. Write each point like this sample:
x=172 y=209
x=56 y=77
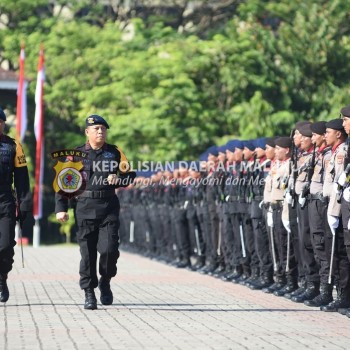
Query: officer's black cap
x=305 y=130
x=345 y=111
x=335 y=124
x=2 y=115
x=95 y=119
x=285 y=142
x=301 y=123
x=318 y=127
x=270 y=141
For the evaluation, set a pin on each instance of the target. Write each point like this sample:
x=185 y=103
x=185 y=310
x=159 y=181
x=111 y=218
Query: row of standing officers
x=271 y=214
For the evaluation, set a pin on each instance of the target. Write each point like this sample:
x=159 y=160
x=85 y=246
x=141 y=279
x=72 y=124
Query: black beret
x=335 y=124
x=345 y=111
x=305 y=130
x=2 y=115
x=95 y=119
x=270 y=141
x=301 y=123
x=318 y=127
x=285 y=142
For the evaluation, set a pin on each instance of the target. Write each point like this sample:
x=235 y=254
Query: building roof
x=8 y=80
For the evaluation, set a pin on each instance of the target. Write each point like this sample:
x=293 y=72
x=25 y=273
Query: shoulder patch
x=340 y=158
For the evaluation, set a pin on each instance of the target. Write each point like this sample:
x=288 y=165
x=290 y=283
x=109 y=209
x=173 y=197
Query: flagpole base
x=36 y=234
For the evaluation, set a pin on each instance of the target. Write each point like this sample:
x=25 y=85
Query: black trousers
x=321 y=236
x=251 y=261
x=7 y=238
x=227 y=235
x=344 y=249
x=280 y=239
x=182 y=236
x=214 y=227
x=98 y=235
x=195 y=233
x=261 y=240
x=306 y=245
x=235 y=220
x=293 y=220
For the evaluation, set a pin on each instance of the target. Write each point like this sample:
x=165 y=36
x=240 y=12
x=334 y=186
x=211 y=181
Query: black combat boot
x=300 y=290
x=243 y=277
x=279 y=284
x=90 y=299
x=290 y=287
x=183 y=263
x=312 y=291
x=4 y=291
x=263 y=282
x=219 y=271
x=106 y=297
x=209 y=269
x=200 y=263
x=237 y=272
x=254 y=277
x=324 y=298
x=347 y=313
x=342 y=302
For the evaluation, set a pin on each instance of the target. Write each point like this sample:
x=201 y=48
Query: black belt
x=318 y=196
x=97 y=194
x=277 y=205
x=233 y=199
x=258 y=198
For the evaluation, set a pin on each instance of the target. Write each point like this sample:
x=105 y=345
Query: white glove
x=112 y=179
x=346 y=194
x=286 y=224
x=261 y=204
x=349 y=225
x=335 y=187
x=342 y=179
x=269 y=219
x=333 y=222
x=301 y=200
x=288 y=198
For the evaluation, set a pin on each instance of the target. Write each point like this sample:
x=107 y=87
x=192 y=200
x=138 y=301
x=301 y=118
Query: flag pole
x=21 y=112
x=39 y=156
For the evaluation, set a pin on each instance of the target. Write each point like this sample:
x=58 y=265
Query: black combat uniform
x=13 y=170
x=97 y=212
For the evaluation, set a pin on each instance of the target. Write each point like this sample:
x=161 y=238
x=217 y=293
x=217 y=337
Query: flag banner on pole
x=21 y=124
x=39 y=136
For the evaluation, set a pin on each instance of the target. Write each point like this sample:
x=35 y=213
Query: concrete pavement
x=155 y=307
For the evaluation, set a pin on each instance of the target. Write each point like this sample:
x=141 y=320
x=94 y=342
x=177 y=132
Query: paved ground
x=155 y=307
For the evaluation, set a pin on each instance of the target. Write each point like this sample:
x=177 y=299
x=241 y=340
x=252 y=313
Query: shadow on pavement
x=168 y=307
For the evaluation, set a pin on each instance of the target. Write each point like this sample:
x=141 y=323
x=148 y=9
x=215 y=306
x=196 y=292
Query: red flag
x=39 y=135
x=21 y=125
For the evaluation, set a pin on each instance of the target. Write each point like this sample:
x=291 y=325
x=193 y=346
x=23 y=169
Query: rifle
x=310 y=173
x=251 y=176
x=293 y=171
x=239 y=191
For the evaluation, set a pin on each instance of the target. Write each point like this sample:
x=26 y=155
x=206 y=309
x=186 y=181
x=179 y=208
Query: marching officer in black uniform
x=13 y=170
x=97 y=210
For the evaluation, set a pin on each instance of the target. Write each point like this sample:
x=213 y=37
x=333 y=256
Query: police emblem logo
x=68 y=177
x=69 y=180
x=108 y=155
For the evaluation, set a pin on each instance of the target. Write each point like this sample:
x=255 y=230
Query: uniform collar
x=88 y=147
x=334 y=148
